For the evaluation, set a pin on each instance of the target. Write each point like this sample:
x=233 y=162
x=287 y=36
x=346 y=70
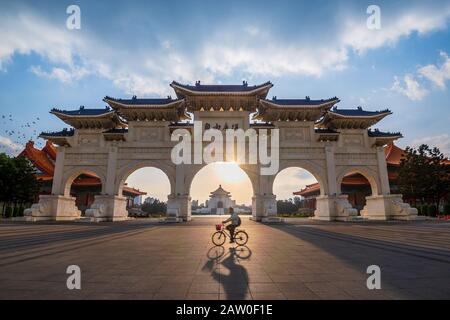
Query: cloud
x=249 y=51
x=437 y=74
x=64 y=75
x=441 y=141
x=360 y=38
x=24 y=33
x=410 y=88
x=272 y=60
x=9 y=146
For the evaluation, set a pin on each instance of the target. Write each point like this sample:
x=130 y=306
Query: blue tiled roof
x=138 y=101
x=306 y=101
x=64 y=133
x=82 y=111
x=378 y=133
x=358 y=112
x=244 y=87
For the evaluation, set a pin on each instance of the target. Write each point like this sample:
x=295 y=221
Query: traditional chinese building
x=220 y=201
x=356 y=186
x=84 y=188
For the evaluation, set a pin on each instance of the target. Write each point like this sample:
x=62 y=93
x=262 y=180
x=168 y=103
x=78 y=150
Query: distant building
x=219 y=203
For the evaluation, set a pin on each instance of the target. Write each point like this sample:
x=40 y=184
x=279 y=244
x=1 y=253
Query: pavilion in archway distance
x=129 y=134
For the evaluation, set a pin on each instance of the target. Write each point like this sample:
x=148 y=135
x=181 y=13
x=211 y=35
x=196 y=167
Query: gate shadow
x=415 y=271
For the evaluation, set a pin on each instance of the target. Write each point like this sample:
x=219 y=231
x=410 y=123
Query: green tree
x=424 y=175
x=156 y=207
x=17 y=181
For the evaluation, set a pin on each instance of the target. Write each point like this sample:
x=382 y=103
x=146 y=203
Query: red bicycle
x=219 y=237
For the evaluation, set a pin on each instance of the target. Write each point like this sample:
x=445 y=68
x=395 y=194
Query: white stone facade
x=113 y=156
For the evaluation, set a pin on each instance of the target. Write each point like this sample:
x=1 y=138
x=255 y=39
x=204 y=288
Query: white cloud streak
x=9 y=146
x=410 y=88
x=437 y=74
x=74 y=55
x=441 y=141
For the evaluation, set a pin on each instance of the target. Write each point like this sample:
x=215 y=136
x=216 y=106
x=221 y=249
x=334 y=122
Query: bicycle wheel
x=243 y=252
x=218 y=238
x=241 y=238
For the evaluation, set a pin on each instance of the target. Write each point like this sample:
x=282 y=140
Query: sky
x=319 y=49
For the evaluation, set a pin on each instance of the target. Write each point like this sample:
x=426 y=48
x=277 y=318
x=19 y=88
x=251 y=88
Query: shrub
x=425 y=209
x=447 y=208
x=419 y=209
x=16 y=211
x=8 y=212
x=432 y=210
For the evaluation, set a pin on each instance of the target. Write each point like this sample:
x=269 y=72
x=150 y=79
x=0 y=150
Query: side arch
x=368 y=173
x=317 y=171
x=71 y=174
x=125 y=171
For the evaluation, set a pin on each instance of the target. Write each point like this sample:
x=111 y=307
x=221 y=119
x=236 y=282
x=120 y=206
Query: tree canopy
x=18 y=183
x=424 y=175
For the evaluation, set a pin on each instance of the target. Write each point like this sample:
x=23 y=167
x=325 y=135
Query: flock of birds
x=17 y=134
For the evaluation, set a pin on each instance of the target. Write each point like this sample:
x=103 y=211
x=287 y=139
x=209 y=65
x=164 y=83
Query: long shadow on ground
x=422 y=272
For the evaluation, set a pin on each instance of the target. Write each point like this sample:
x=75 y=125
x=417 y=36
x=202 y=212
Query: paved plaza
x=145 y=259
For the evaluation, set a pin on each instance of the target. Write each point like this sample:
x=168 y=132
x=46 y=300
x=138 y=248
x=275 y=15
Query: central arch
x=221 y=174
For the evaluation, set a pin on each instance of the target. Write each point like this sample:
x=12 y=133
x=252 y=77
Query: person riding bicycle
x=235 y=222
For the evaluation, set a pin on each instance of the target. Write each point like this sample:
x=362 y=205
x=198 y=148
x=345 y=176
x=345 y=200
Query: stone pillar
x=331 y=208
x=383 y=172
x=111 y=173
x=107 y=208
x=53 y=207
x=264 y=208
x=331 y=171
x=179 y=204
x=178 y=208
x=57 y=187
x=56 y=206
x=385 y=206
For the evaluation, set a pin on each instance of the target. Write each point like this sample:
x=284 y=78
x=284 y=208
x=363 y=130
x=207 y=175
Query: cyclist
x=235 y=222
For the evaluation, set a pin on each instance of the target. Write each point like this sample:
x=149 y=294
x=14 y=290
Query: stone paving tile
x=202 y=296
x=268 y=296
x=179 y=262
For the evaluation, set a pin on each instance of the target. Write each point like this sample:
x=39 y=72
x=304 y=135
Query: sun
x=229 y=172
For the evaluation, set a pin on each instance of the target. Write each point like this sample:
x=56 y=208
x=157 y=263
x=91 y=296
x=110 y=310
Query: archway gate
x=133 y=133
